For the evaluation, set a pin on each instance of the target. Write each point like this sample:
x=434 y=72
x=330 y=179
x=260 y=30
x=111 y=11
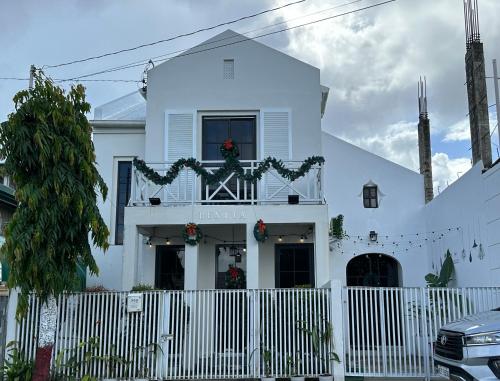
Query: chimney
x=476 y=87
x=424 y=141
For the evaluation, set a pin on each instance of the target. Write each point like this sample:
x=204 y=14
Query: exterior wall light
x=373 y=235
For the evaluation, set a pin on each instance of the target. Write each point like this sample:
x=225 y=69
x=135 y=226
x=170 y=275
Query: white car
x=469 y=349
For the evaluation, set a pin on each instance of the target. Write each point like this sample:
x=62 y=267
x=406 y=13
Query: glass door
x=215 y=131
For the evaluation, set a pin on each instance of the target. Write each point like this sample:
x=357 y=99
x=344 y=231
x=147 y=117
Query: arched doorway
x=373 y=270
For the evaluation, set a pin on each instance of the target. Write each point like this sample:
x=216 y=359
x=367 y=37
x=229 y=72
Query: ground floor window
x=169 y=267
x=294 y=265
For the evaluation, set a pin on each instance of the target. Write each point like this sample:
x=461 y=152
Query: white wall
x=112 y=144
x=264 y=78
x=471 y=204
x=400 y=210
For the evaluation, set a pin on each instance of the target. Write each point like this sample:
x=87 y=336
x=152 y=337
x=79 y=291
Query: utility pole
x=32 y=76
x=497 y=96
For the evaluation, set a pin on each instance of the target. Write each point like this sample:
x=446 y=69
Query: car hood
x=478 y=323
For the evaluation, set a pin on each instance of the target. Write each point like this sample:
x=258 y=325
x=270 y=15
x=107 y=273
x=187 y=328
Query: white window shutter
x=180 y=142
x=275 y=142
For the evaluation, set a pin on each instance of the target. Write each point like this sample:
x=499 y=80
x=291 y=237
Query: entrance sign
x=134 y=302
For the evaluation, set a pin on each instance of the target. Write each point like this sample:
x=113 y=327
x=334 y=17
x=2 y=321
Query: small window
x=122 y=197
x=228 y=69
x=370 y=196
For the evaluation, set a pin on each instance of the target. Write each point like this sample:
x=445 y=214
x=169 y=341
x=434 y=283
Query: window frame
x=368 y=197
x=116 y=195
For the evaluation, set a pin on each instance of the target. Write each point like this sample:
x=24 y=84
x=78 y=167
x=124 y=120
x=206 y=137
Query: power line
x=165 y=56
x=67 y=80
x=174 y=37
x=246 y=39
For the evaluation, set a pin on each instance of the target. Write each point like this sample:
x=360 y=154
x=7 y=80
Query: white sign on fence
x=134 y=302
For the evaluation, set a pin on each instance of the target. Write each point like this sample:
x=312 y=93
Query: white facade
x=285 y=100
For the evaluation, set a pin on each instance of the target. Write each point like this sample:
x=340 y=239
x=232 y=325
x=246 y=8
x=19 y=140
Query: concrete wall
x=264 y=78
x=400 y=212
x=471 y=208
x=112 y=145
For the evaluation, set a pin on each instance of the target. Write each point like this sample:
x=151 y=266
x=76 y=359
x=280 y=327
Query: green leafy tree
x=48 y=151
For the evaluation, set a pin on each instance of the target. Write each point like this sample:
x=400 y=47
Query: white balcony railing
x=188 y=188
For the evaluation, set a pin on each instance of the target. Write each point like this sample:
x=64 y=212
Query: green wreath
x=192 y=234
x=260 y=231
x=231 y=165
x=229 y=149
x=235 y=278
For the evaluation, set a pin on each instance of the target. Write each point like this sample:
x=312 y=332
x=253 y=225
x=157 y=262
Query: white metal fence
x=390 y=332
x=205 y=334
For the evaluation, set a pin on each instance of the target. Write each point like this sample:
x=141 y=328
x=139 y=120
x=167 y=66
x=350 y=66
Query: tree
x=48 y=151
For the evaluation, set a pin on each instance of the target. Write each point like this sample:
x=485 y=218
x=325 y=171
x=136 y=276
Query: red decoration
x=228 y=144
x=233 y=272
x=262 y=226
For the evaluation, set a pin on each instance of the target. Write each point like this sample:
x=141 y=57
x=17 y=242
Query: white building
x=270 y=104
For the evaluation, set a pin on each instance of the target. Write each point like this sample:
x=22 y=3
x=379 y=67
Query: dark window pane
x=215 y=130
x=370 y=197
x=243 y=130
x=122 y=197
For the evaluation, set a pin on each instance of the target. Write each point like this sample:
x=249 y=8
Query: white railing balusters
x=187 y=188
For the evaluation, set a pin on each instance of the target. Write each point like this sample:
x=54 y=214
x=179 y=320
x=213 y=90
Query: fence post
x=338 y=329
x=425 y=322
x=10 y=317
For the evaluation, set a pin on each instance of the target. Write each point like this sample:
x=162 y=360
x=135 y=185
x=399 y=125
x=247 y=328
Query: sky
x=371 y=60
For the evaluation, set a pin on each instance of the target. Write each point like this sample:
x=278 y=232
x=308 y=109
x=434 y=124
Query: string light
x=167 y=241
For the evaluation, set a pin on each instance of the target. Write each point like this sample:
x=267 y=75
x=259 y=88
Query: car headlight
x=483 y=339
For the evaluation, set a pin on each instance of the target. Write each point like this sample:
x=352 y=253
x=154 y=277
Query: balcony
x=189 y=189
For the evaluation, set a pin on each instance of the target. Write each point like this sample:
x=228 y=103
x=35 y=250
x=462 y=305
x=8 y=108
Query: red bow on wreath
x=191 y=229
x=228 y=144
x=262 y=226
x=233 y=273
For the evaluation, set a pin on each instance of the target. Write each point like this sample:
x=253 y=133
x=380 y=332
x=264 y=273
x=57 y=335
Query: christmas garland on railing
x=232 y=164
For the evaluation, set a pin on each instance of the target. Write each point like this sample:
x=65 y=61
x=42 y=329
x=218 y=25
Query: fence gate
x=389 y=332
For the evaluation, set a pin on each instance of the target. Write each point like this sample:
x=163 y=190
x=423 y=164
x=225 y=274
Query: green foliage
x=16 y=367
x=49 y=154
x=142 y=287
x=81 y=359
x=321 y=336
x=145 y=354
x=267 y=359
x=336 y=227
x=445 y=274
x=231 y=164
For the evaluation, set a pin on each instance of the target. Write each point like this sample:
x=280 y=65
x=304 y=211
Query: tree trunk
x=46 y=336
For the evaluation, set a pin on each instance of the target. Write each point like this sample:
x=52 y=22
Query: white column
x=321 y=253
x=338 y=329
x=130 y=257
x=252 y=258
x=191 y=264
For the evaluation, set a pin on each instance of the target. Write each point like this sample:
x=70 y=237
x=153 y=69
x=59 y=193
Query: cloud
x=445 y=170
x=459 y=131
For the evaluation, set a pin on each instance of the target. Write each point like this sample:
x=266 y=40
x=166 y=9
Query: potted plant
x=293 y=367
x=322 y=345
x=267 y=360
x=145 y=355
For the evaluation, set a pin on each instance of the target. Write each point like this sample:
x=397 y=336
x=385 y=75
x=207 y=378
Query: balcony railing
x=188 y=188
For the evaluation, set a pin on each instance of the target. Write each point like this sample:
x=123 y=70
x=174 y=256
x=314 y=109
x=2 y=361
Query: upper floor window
x=370 y=196
x=122 y=197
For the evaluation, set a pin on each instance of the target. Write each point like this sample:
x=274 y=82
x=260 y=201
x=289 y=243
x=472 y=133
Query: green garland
x=232 y=164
